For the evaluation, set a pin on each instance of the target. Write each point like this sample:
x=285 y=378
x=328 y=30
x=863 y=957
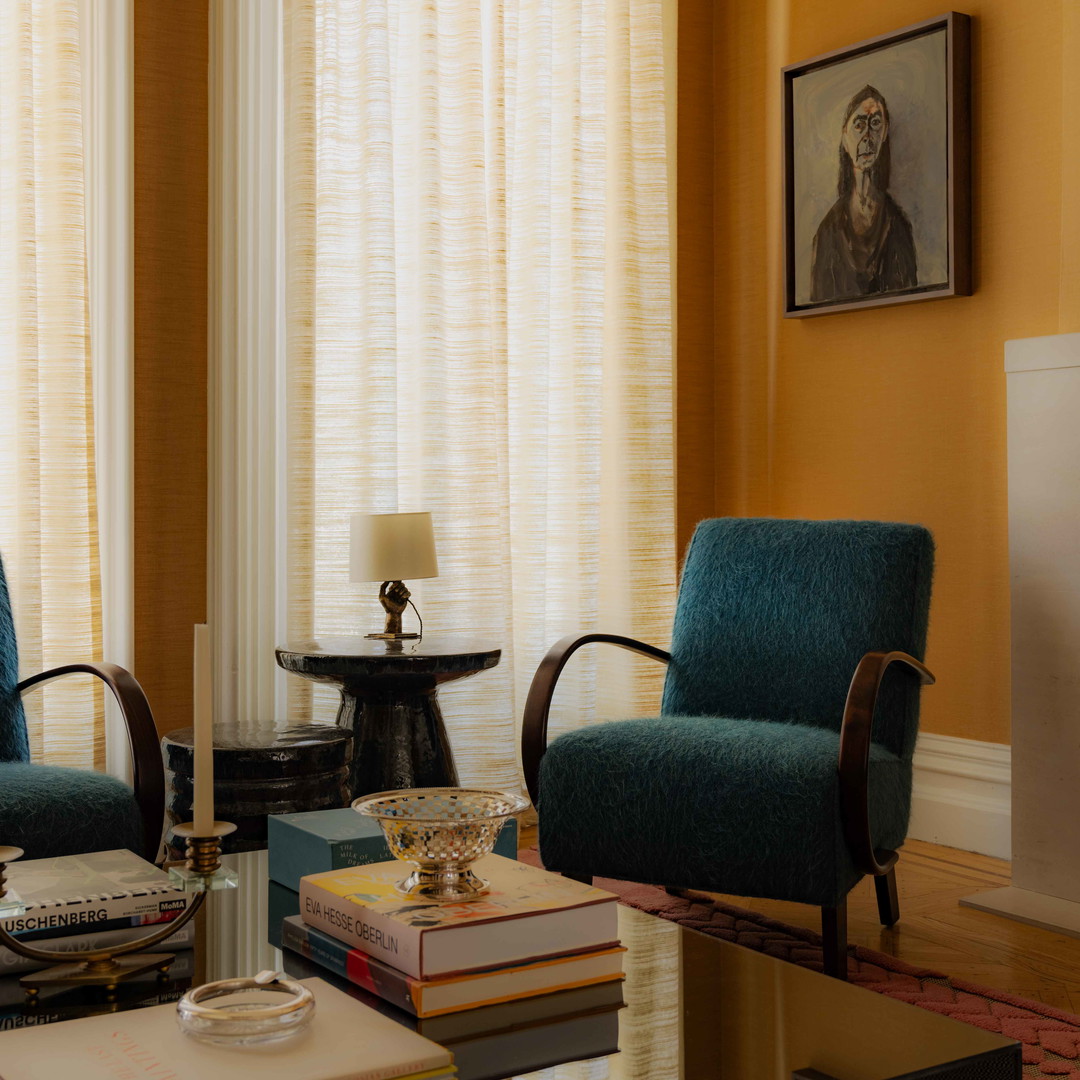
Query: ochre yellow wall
x=893 y=413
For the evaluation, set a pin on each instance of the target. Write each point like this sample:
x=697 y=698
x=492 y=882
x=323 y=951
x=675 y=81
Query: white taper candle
x=203 y=779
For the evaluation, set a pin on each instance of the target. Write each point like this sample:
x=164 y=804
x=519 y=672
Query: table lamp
x=388 y=548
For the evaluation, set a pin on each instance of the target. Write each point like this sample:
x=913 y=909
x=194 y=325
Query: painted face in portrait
x=865 y=133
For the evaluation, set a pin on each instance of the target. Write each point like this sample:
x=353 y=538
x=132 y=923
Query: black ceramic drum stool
x=276 y=769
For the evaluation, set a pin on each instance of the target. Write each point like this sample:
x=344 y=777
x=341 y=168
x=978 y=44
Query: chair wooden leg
x=834 y=939
x=888 y=902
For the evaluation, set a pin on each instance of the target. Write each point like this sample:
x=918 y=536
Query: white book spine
x=83 y=912
x=372 y=933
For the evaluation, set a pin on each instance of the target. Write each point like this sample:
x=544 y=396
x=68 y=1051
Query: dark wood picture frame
x=957 y=167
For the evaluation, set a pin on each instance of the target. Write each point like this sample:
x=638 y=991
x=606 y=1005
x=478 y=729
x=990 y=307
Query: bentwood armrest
x=148 y=774
x=538 y=704
x=855 y=737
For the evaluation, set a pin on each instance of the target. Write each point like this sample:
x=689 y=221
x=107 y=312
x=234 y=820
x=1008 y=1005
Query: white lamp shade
x=391 y=547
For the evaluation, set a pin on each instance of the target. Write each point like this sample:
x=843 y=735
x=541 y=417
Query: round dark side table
x=269 y=769
x=388 y=702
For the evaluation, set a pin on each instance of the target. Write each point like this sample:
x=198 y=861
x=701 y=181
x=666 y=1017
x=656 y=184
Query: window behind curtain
x=48 y=531
x=479 y=324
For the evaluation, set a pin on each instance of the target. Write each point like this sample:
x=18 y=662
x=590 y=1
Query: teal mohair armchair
x=780 y=763
x=47 y=810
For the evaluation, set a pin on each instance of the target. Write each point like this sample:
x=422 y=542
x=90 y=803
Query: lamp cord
x=418 y=619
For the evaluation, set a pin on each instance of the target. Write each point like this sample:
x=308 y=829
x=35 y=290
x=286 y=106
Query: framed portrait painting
x=877 y=173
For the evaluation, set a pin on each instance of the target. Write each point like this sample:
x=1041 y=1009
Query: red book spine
x=359 y=968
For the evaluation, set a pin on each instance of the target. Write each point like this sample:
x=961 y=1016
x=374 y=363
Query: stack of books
x=76 y=903
x=79 y=903
x=533 y=933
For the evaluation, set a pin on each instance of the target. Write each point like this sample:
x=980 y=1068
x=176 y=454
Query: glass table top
x=691 y=1006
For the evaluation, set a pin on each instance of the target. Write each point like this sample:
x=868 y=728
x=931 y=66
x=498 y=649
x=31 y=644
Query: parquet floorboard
x=936 y=932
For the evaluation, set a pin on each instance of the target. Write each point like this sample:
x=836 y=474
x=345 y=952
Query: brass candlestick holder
x=201 y=872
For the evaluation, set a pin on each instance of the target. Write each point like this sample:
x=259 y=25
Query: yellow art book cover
x=527 y=913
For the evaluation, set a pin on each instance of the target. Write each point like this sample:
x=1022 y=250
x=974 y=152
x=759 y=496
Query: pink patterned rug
x=1050 y=1038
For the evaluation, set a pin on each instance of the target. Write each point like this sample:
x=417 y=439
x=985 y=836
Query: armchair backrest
x=13 y=741
x=774 y=615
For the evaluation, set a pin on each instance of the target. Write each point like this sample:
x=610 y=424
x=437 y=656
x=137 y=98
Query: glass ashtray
x=246 y=1011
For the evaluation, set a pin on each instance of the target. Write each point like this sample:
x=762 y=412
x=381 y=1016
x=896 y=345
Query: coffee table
x=698 y=1007
x=695 y=1007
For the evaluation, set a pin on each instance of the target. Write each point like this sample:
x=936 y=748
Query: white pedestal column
x=1043 y=382
x=247 y=526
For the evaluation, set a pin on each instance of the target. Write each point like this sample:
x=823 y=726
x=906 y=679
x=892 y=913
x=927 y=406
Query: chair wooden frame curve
x=854 y=763
x=853 y=768
x=534 y=722
x=148 y=772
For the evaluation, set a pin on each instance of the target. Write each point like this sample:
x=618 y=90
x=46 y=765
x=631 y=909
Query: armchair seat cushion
x=49 y=811
x=750 y=807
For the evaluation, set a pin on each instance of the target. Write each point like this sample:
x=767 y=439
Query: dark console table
x=388 y=701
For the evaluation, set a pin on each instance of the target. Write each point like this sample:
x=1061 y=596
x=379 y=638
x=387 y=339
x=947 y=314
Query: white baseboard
x=962 y=794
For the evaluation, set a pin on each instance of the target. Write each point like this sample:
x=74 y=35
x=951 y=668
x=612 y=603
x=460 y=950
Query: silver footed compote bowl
x=441 y=831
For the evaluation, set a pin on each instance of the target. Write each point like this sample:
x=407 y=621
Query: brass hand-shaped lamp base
x=394 y=596
x=107 y=967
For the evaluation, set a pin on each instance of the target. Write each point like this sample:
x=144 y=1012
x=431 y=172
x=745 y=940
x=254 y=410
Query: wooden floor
x=936 y=932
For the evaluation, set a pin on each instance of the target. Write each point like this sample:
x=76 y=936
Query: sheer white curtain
x=48 y=513
x=479 y=324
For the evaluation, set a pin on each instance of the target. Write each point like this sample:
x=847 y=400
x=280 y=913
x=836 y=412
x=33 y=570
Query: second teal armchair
x=779 y=764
